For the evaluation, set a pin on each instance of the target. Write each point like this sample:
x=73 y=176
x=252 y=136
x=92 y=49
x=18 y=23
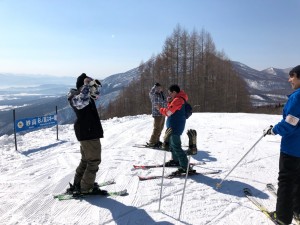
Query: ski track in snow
x=44 y=166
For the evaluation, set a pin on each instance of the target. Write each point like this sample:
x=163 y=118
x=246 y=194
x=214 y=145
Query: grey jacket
x=157 y=98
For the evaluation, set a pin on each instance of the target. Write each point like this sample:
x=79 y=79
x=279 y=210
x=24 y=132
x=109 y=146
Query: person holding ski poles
x=157 y=97
x=288 y=194
x=175 y=112
x=88 y=131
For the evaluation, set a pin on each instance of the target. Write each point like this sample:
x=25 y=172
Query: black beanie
x=295 y=70
x=80 y=80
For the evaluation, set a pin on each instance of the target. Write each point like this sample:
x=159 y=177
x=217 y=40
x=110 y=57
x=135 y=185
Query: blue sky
x=105 y=37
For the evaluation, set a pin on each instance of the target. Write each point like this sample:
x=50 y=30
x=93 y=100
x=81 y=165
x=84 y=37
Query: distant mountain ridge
x=42 y=94
x=269 y=86
x=112 y=85
x=25 y=80
x=266 y=87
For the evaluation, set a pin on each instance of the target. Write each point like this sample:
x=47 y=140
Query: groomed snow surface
x=43 y=166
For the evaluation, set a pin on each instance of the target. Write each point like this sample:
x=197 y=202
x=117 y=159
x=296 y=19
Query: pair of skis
x=271 y=188
x=170 y=176
x=160 y=148
x=67 y=196
x=161 y=165
x=150 y=147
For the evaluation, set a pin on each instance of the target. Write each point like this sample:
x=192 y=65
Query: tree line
x=191 y=61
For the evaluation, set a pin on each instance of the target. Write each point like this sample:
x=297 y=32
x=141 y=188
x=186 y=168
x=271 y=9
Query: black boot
x=94 y=191
x=172 y=163
x=181 y=171
x=274 y=217
x=73 y=188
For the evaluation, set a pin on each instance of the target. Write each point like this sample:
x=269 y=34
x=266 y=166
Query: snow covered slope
x=44 y=166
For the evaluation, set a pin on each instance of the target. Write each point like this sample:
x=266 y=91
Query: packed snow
x=43 y=166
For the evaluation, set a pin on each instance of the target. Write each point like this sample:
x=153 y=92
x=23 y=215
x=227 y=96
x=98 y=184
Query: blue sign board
x=36 y=122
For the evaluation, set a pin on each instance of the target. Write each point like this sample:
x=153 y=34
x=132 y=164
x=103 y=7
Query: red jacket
x=176 y=113
x=175 y=104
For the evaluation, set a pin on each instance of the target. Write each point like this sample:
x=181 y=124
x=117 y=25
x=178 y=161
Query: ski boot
x=273 y=215
x=154 y=145
x=93 y=191
x=73 y=188
x=181 y=171
x=172 y=163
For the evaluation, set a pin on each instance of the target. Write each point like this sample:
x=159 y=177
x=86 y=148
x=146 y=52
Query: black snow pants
x=288 y=200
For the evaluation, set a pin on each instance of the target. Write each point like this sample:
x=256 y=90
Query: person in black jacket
x=88 y=130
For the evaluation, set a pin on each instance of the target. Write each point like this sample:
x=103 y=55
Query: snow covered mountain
x=112 y=85
x=28 y=80
x=43 y=166
x=266 y=87
x=38 y=97
x=42 y=94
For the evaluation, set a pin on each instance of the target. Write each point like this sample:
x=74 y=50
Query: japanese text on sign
x=36 y=122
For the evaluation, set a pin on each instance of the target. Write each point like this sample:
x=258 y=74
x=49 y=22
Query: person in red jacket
x=175 y=111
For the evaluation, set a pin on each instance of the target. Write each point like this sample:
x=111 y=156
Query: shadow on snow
x=203 y=156
x=123 y=214
x=43 y=148
x=228 y=187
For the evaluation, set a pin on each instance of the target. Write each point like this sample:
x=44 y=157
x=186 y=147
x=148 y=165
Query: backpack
x=188 y=109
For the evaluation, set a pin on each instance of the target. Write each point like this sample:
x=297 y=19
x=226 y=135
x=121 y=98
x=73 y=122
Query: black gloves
x=269 y=131
x=192 y=134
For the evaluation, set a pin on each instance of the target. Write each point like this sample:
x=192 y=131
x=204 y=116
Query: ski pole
x=219 y=184
x=183 y=192
x=162 y=181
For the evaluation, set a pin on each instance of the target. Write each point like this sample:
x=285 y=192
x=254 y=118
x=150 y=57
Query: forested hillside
x=191 y=61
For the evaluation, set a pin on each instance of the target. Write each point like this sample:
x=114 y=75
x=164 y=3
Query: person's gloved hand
x=87 y=80
x=167 y=135
x=269 y=131
x=95 y=83
x=94 y=88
